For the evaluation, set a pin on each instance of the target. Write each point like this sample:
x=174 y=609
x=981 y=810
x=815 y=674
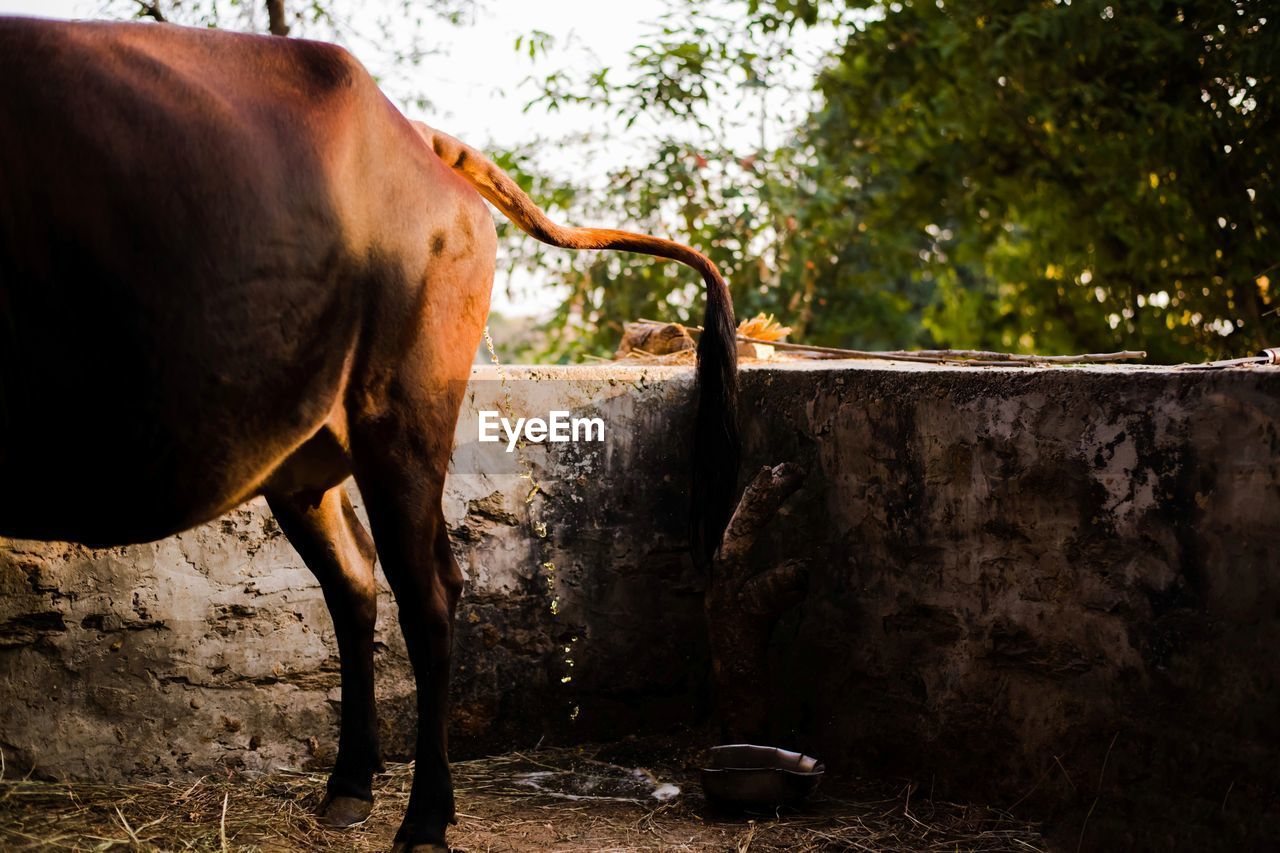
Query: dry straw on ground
x=551 y=799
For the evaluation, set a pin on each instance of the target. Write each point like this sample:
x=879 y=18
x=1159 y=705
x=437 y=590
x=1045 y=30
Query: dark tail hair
x=716 y=443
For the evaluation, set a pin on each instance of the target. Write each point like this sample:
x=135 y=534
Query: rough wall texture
x=1052 y=586
x=1055 y=586
x=214 y=647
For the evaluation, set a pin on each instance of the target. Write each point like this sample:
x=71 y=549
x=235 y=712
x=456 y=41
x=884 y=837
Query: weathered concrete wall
x=1052 y=586
x=214 y=647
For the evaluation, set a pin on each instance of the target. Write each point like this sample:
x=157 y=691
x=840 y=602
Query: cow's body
x=230 y=267
x=215 y=244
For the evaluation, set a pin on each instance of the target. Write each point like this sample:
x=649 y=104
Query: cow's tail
x=716 y=443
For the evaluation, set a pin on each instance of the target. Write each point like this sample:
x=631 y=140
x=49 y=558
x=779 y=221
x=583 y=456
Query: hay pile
x=654 y=342
x=551 y=799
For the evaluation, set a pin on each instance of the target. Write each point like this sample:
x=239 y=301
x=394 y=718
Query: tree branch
x=775 y=590
x=151 y=10
x=756 y=508
x=277 y=20
x=742 y=608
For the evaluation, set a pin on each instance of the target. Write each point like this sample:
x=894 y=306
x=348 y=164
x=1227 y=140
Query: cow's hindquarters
x=402 y=413
x=400 y=464
x=180 y=289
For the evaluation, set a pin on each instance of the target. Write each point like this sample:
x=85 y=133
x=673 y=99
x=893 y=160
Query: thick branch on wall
x=775 y=590
x=759 y=503
x=742 y=608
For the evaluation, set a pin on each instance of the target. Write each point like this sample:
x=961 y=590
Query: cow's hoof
x=340 y=811
x=406 y=847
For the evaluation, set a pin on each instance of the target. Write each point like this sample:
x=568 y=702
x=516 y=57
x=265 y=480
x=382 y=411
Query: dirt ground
x=549 y=799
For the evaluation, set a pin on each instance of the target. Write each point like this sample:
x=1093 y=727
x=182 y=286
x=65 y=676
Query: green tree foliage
x=1052 y=176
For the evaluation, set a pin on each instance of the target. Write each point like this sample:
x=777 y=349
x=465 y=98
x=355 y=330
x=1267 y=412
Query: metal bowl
x=745 y=776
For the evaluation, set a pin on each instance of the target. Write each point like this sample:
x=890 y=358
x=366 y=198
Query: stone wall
x=1055 y=587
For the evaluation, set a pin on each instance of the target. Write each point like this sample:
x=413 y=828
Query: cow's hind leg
x=339 y=551
x=400 y=465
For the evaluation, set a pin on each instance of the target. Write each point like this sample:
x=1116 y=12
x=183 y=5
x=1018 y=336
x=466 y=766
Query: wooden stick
x=1036 y=359
x=934 y=356
x=1229 y=362
x=846 y=353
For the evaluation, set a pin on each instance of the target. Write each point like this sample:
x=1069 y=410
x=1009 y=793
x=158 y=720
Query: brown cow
x=230 y=267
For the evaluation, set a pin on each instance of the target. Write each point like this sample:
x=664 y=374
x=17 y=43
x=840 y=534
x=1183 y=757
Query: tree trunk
x=277 y=22
x=742 y=608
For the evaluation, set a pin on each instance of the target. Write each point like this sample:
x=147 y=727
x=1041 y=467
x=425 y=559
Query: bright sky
x=477 y=89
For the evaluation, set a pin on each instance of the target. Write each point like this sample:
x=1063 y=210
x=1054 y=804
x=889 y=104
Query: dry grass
x=510 y=802
x=763 y=327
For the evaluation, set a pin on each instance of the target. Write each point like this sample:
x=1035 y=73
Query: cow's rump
x=185 y=240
